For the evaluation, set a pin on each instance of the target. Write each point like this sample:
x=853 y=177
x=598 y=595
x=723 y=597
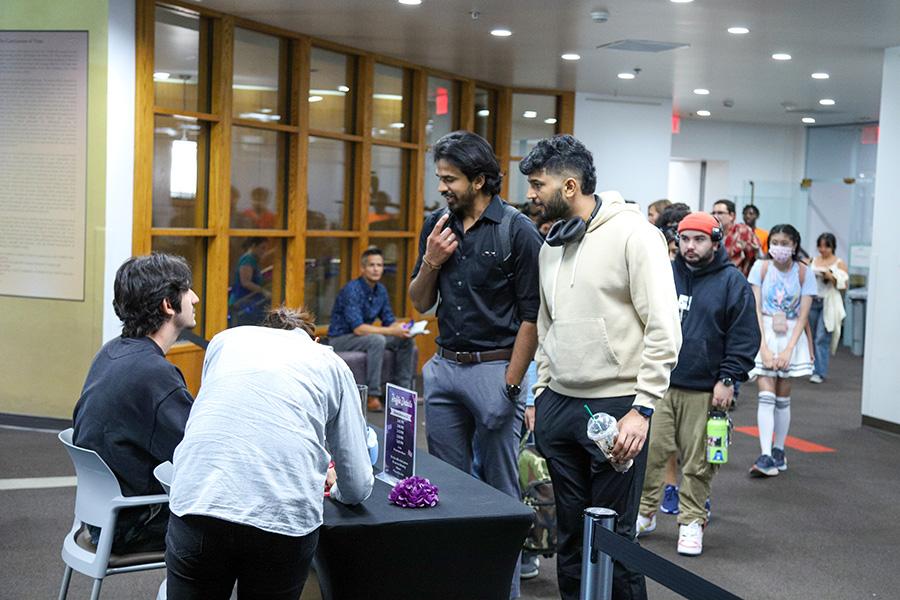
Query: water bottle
x=717 y=437
x=372 y=444
x=602 y=429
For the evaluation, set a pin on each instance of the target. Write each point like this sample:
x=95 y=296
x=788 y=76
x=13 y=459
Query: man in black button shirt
x=135 y=403
x=481 y=257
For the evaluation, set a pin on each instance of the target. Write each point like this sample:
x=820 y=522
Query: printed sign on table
x=399 y=435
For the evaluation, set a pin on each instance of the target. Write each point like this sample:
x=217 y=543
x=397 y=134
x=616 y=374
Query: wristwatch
x=513 y=391
x=727 y=381
x=645 y=411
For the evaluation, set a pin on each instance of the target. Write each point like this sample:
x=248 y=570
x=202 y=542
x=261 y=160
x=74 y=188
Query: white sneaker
x=690 y=539
x=645 y=525
x=816 y=378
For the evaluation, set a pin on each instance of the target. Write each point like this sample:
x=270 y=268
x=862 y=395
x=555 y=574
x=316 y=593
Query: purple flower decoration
x=414 y=492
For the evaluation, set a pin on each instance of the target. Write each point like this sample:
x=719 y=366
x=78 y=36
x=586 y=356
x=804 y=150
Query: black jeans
x=204 y=557
x=582 y=477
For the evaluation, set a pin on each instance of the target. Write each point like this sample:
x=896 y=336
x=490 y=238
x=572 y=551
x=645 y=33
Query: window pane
x=518 y=185
x=533 y=119
x=180 y=159
x=180 y=78
x=486 y=114
x=389 y=200
x=330 y=184
x=258 y=178
x=193 y=249
x=395 y=277
x=390 y=99
x=442 y=101
x=255 y=278
x=332 y=85
x=258 y=66
x=328 y=265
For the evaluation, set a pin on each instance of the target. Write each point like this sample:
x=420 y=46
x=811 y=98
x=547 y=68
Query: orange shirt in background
x=763 y=236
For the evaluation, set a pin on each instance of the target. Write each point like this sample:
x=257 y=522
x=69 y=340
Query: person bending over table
x=274 y=408
x=352 y=327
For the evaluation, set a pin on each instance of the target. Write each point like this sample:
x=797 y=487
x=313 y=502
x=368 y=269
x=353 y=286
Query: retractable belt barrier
x=604 y=544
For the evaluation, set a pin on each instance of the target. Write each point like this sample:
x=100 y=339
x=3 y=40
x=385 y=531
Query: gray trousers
x=374 y=346
x=470 y=419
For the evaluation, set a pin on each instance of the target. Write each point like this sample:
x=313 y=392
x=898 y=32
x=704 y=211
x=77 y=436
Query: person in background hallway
x=486 y=314
x=741 y=244
x=134 y=403
x=656 y=208
x=827 y=312
x=258 y=216
x=356 y=308
x=609 y=336
x=248 y=300
x=274 y=407
x=751 y=216
x=721 y=338
x=784 y=289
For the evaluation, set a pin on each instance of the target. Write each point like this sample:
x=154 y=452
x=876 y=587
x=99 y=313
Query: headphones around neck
x=571 y=230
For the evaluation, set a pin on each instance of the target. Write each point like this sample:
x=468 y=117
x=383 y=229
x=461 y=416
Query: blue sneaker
x=764 y=467
x=708 y=510
x=670 y=500
x=780 y=460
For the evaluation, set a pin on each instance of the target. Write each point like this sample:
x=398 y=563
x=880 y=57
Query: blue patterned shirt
x=357 y=303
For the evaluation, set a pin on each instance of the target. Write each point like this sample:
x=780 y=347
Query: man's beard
x=462 y=202
x=701 y=261
x=556 y=207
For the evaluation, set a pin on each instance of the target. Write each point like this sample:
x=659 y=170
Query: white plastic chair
x=164 y=473
x=98 y=500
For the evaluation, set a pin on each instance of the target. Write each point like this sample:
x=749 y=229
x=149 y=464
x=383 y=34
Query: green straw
x=588 y=410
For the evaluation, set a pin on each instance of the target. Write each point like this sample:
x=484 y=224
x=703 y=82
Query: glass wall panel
x=180 y=159
x=328 y=267
x=330 y=184
x=193 y=250
x=180 y=79
x=533 y=119
x=442 y=119
x=389 y=197
x=518 y=185
x=259 y=87
x=255 y=278
x=258 y=178
x=390 y=103
x=332 y=91
x=486 y=114
x=396 y=277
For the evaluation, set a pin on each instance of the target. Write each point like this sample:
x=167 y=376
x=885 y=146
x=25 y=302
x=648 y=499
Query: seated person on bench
x=356 y=307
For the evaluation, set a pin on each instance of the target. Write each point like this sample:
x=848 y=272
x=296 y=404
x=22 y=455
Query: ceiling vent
x=642 y=46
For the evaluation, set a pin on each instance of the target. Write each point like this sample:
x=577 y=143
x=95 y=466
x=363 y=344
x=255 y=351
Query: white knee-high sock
x=765 y=421
x=782 y=420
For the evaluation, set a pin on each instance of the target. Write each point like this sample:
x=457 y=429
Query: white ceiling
x=842 y=37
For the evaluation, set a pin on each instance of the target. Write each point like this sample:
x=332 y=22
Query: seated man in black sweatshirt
x=134 y=404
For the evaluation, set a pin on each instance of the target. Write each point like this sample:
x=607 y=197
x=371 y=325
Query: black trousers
x=582 y=477
x=204 y=557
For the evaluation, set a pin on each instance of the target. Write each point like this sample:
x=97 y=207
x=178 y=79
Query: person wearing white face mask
x=784 y=290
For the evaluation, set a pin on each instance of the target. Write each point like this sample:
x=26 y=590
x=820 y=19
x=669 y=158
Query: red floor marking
x=791 y=442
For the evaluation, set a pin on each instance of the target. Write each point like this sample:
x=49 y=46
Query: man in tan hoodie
x=609 y=336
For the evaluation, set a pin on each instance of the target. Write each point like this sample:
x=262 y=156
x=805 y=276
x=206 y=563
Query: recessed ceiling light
x=500 y=32
x=266 y=111
x=625 y=75
x=738 y=30
x=550 y=121
x=808 y=120
x=343 y=88
x=397 y=125
x=315 y=98
x=703 y=113
x=484 y=112
x=530 y=114
x=781 y=56
x=820 y=75
x=681 y=1
x=571 y=56
x=826 y=102
x=702 y=92
x=161 y=76
x=410 y=2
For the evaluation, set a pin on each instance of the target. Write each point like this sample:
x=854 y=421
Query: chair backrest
x=164 y=473
x=97 y=484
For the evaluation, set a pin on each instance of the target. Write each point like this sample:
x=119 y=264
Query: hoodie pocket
x=579 y=353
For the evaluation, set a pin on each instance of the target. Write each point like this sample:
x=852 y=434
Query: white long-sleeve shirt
x=274 y=407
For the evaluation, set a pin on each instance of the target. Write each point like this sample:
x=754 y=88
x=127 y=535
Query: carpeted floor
x=828 y=528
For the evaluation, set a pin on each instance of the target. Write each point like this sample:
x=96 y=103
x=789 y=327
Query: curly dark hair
x=672 y=216
x=142 y=283
x=471 y=154
x=283 y=317
x=562 y=155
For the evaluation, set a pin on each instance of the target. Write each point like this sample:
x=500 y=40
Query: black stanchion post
x=596 y=567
